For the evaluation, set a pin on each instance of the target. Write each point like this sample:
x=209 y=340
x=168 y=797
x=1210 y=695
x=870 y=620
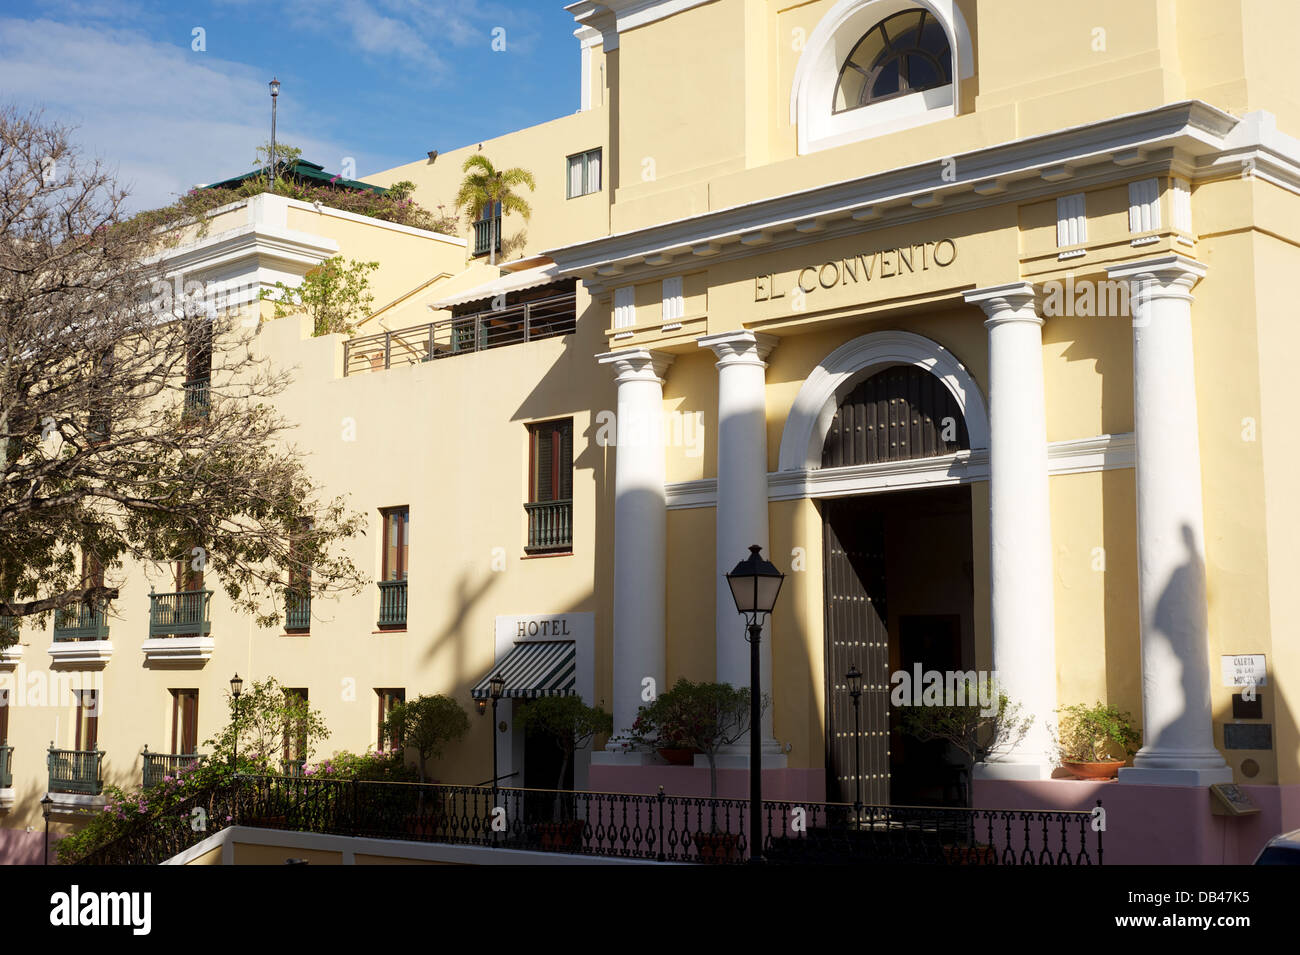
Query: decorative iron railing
x=653 y=827
x=293 y=767
x=550 y=526
x=297 y=612
x=197 y=399
x=157 y=766
x=486 y=233
x=186 y=613
x=392 y=603
x=6 y=765
x=530 y=321
x=76 y=771
x=80 y=622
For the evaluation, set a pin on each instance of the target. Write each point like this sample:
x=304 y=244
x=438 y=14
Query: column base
x=1175 y=777
x=1013 y=771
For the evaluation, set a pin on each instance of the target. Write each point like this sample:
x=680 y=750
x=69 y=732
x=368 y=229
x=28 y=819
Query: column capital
x=739 y=347
x=1013 y=302
x=637 y=364
x=1166 y=276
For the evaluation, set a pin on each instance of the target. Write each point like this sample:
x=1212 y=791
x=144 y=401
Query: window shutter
x=545 y=464
x=566 y=461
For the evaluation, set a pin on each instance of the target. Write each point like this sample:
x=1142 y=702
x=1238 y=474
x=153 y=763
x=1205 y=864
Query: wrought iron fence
x=186 y=613
x=156 y=838
x=624 y=825
x=6 y=765
x=76 y=771
x=550 y=525
x=80 y=622
x=392 y=603
x=158 y=765
x=529 y=321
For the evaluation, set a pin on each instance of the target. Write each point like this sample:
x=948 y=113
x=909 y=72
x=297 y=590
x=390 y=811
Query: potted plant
x=1093 y=742
x=570 y=724
x=426 y=724
x=702 y=717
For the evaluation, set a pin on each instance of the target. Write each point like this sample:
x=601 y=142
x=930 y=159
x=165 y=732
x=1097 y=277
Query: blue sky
x=381 y=81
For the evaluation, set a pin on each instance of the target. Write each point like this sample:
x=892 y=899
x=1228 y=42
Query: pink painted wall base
x=19 y=847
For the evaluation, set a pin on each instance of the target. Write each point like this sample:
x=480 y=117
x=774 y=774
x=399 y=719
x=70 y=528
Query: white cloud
x=164 y=116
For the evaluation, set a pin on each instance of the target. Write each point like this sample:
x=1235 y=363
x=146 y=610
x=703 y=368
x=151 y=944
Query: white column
x=1020 y=558
x=1178 y=729
x=742 y=501
x=640 y=530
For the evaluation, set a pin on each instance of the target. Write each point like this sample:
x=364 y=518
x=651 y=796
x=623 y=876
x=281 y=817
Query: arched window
x=905 y=53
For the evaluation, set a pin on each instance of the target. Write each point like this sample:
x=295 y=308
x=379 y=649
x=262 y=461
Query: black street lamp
x=496 y=689
x=46 y=805
x=236 y=687
x=275 y=92
x=755 y=584
x=854 y=680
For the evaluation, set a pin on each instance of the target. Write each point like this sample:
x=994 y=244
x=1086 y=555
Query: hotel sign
x=864 y=268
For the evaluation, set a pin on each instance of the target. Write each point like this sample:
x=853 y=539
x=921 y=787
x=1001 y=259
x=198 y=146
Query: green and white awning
x=532 y=669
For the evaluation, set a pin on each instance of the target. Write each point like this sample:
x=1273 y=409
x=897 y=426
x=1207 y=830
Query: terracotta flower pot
x=561 y=835
x=717 y=847
x=1105 y=769
x=678 y=757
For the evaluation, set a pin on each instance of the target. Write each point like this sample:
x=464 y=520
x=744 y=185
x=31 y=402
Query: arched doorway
x=898 y=582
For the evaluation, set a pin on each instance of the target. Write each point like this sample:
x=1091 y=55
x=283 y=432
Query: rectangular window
x=397 y=542
x=189 y=576
x=584 y=174
x=87 y=721
x=4 y=715
x=185 y=722
x=295 y=734
x=297 y=610
x=387 y=700
x=550 y=487
x=198 y=371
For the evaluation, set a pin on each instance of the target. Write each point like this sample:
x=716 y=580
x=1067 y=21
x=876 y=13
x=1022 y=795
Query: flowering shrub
x=377 y=766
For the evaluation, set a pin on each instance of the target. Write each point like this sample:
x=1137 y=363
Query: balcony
x=179 y=629
x=392 y=604
x=462 y=335
x=550 y=526
x=196 y=398
x=297 y=613
x=158 y=765
x=81 y=622
x=484 y=231
x=76 y=771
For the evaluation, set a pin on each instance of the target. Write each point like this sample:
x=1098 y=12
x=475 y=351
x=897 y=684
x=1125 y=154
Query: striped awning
x=535 y=668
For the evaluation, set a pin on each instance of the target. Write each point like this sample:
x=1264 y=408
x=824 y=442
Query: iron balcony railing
x=297 y=612
x=6 y=765
x=158 y=766
x=392 y=603
x=293 y=767
x=76 y=771
x=197 y=399
x=485 y=231
x=550 y=526
x=80 y=622
x=183 y=614
x=654 y=827
x=463 y=334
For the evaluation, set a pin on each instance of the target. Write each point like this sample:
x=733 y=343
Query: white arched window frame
x=824 y=53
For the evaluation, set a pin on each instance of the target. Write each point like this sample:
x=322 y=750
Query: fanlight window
x=905 y=53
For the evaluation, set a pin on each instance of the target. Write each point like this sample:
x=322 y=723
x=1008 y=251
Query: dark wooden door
x=856 y=633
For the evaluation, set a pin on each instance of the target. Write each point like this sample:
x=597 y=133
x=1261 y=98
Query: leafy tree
x=286 y=157
x=427 y=724
x=485 y=187
x=107 y=456
x=569 y=723
x=333 y=293
x=260 y=720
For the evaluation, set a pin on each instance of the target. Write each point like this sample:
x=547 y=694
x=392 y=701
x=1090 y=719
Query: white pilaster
x=640 y=530
x=742 y=498
x=1020 y=559
x=1178 y=730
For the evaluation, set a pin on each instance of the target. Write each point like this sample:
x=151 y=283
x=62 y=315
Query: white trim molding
x=80 y=654
x=178 y=651
x=10 y=657
x=814 y=407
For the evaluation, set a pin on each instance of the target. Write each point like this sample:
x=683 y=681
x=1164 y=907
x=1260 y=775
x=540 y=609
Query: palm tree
x=486 y=187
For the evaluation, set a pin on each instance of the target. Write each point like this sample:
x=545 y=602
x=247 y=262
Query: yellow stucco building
x=973 y=315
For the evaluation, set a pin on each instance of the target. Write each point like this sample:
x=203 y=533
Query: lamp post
x=275 y=92
x=46 y=805
x=236 y=687
x=755 y=584
x=854 y=680
x=496 y=689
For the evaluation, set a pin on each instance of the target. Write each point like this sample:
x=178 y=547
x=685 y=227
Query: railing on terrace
x=530 y=321
x=297 y=612
x=6 y=765
x=159 y=765
x=80 y=622
x=392 y=603
x=550 y=526
x=659 y=827
x=76 y=771
x=186 y=613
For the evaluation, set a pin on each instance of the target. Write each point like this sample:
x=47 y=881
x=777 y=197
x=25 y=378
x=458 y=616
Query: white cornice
x=612 y=17
x=1101 y=453
x=1183 y=137
x=258 y=241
